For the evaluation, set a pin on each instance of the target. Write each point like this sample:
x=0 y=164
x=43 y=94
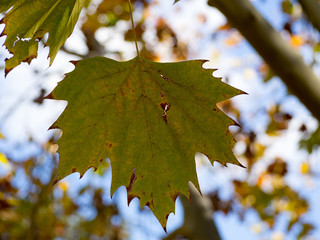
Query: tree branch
x=312 y=10
x=198 y=223
x=283 y=59
x=63 y=48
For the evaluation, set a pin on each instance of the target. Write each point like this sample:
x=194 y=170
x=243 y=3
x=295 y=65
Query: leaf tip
x=174 y=196
x=49 y=96
x=53 y=126
x=74 y=62
x=242 y=92
x=175 y=1
x=6 y=71
x=203 y=60
x=94 y=167
x=56 y=180
x=164 y=226
x=240 y=164
x=234 y=123
x=130 y=197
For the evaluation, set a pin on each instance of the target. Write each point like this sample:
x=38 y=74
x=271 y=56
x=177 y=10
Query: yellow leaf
x=277 y=236
x=225 y=27
x=256 y=228
x=297 y=41
x=3 y=159
x=233 y=40
x=305 y=168
x=63 y=185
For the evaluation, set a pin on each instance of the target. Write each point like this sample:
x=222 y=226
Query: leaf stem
x=133 y=29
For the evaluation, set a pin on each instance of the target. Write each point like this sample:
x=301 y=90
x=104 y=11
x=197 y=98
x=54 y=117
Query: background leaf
x=28 y=21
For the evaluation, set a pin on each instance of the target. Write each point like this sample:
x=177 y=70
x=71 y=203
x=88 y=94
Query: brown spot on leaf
x=163 y=105
x=162 y=76
x=166 y=107
x=214 y=109
x=73 y=170
x=133 y=178
x=131 y=90
x=164 y=116
x=150 y=204
x=109 y=145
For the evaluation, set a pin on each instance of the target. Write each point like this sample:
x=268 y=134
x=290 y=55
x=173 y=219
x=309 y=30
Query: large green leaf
x=28 y=21
x=149 y=119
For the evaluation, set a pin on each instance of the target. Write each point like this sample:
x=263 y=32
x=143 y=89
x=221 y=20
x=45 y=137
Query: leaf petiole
x=133 y=29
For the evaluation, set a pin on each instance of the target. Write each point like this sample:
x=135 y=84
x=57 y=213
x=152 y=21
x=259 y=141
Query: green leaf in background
x=287 y=7
x=149 y=119
x=28 y=21
x=312 y=142
x=317 y=47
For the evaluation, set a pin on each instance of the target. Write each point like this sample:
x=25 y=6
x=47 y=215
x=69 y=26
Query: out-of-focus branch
x=63 y=48
x=312 y=10
x=94 y=47
x=198 y=223
x=276 y=52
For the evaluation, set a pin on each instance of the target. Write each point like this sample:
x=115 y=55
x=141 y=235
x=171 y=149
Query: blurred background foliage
x=37 y=209
x=41 y=210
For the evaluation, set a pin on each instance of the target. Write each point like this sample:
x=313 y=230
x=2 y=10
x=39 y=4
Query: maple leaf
x=28 y=21
x=149 y=119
